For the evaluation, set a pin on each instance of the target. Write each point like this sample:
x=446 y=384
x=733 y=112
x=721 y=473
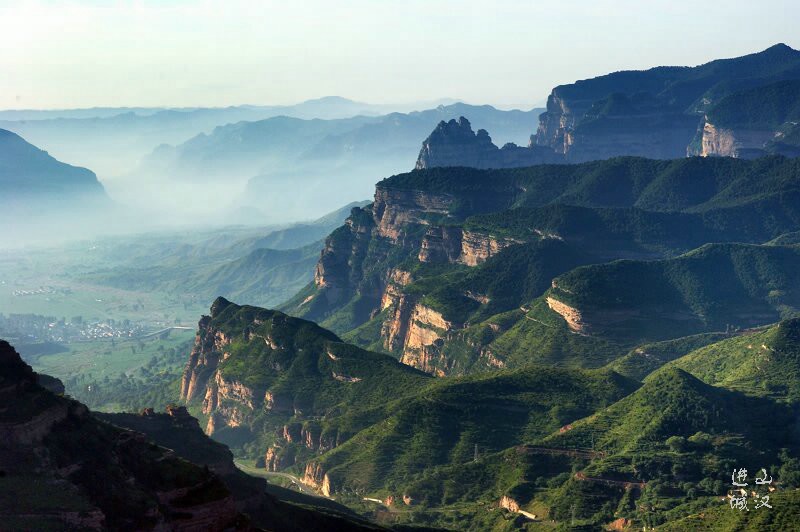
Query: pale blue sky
x=61 y=53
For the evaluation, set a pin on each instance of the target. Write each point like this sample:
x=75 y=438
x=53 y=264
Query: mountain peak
x=454 y=143
x=219 y=305
x=11 y=365
x=780 y=47
x=331 y=100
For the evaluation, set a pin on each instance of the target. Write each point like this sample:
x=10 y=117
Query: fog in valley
x=163 y=168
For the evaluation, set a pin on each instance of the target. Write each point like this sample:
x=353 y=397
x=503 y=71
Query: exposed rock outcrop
x=395 y=210
x=455 y=245
x=278 y=459
x=753 y=123
x=573 y=317
x=425 y=332
x=509 y=504
x=722 y=142
x=477 y=247
x=314 y=476
x=454 y=143
x=203 y=361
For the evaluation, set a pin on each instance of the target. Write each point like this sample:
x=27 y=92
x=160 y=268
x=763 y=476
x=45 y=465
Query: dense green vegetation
x=705 y=290
x=675 y=440
x=782 y=516
x=618 y=208
x=644 y=359
x=507 y=280
x=702 y=184
x=763 y=363
x=305 y=368
x=611 y=338
x=123 y=375
x=690 y=88
x=444 y=423
x=767 y=107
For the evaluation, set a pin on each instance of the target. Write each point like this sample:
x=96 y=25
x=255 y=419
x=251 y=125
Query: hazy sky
x=83 y=53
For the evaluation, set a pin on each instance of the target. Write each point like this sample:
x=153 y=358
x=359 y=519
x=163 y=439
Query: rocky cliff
x=264 y=378
x=655 y=113
x=443 y=249
x=454 y=143
x=652 y=113
x=754 y=123
x=743 y=143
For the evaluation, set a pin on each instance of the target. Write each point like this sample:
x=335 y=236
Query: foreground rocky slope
x=64 y=469
x=447 y=262
x=178 y=430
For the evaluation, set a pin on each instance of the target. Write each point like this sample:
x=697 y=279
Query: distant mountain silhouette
x=30 y=174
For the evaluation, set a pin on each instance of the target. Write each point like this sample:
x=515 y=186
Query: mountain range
x=588 y=333
x=604 y=337
x=113 y=140
x=655 y=112
x=44 y=198
x=740 y=107
x=332 y=161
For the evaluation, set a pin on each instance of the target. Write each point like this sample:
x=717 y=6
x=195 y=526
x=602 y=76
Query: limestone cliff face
x=559 y=118
x=573 y=316
x=655 y=135
x=203 y=361
x=394 y=211
x=278 y=458
x=393 y=292
x=337 y=272
x=477 y=247
x=419 y=332
x=285 y=452
x=441 y=244
x=413 y=330
x=593 y=125
x=454 y=143
x=401 y=222
x=272 y=376
x=740 y=143
x=314 y=476
x=360 y=261
x=458 y=246
x=653 y=113
x=229 y=403
x=226 y=401
x=349 y=265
